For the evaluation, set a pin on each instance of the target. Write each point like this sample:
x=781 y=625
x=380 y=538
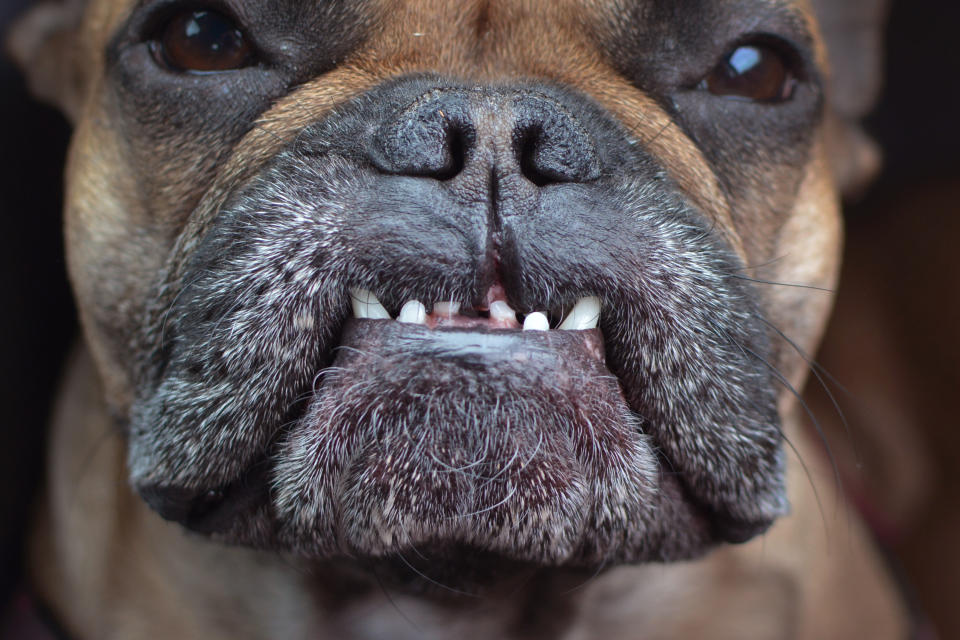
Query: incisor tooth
x=413 y=312
x=536 y=321
x=446 y=309
x=366 y=305
x=500 y=310
x=584 y=315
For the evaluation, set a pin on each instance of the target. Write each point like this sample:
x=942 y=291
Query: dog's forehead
x=429 y=25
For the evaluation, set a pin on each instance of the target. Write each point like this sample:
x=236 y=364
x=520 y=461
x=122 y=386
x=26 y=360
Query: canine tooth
x=447 y=309
x=500 y=310
x=584 y=315
x=366 y=305
x=413 y=312
x=536 y=321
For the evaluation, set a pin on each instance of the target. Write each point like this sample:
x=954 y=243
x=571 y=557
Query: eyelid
x=147 y=22
x=799 y=64
x=151 y=31
x=165 y=57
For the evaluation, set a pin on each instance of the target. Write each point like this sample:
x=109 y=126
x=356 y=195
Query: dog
x=434 y=319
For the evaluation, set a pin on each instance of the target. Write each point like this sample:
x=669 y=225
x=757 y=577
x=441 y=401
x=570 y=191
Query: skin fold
x=236 y=455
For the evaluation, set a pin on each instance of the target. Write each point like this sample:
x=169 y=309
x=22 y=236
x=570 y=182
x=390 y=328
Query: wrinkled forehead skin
x=149 y=169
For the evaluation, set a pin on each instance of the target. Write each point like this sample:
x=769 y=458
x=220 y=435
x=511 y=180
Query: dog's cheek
x=178 y=125
x=114 y=255
x=808 y=246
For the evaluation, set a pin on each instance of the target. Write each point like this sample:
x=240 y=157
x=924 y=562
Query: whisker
x=796 y=394
x=87 y=463
x=816 y=369
x=806 y=469
x=513 y=490
x=586 y=581
x=780 y=284
x=465 y=469
x=504 y=468
x=761 y=265
x=432 y=581
x=659 y=133
x=166 y=314
x=261 y=125
x=390 y=599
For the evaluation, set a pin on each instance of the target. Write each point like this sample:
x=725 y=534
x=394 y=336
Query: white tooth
x=500 y=310
x=413 y=312
x=536 y=321
x=366 y=305
x=447 y=309
x=584 y=315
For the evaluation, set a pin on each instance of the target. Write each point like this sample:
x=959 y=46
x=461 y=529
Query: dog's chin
x=464 y=457
x=513 y=442
x=468 y=458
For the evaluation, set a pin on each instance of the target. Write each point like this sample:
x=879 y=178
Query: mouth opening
x=495 y=313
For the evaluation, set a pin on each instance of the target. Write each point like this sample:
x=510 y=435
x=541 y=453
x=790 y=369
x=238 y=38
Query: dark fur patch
x=368 y=456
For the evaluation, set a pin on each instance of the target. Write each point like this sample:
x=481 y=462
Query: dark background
x=37 y=318
x=916 y=124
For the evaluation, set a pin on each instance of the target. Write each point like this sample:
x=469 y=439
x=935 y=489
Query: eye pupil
x=754 y=72
x=203 y=41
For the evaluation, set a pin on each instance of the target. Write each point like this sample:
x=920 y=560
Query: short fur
x=432 y=150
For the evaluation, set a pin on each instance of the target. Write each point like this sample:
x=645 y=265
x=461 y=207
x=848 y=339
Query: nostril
x=531 y=166
x=456 y=141
x=551 y=147
x=430 y=138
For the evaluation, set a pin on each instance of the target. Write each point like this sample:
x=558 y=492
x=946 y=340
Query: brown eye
x=755 y=72
x=202 y=41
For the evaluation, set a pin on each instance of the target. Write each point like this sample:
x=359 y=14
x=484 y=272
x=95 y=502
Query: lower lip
x=481 y=344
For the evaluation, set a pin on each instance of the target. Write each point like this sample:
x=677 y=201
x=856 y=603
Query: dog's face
x=276 y=207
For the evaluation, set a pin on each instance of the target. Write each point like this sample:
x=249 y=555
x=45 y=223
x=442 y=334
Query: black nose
x=447 y=132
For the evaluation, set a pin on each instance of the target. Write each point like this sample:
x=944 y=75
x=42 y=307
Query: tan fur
x=113 y=569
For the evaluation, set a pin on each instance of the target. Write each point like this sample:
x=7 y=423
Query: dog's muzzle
x=449 y=318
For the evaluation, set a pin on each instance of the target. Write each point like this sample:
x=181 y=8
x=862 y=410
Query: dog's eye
x=202 y=41
x=755 y=72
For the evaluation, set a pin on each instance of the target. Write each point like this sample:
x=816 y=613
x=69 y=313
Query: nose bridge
x=494 y=122
x=502 y=131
